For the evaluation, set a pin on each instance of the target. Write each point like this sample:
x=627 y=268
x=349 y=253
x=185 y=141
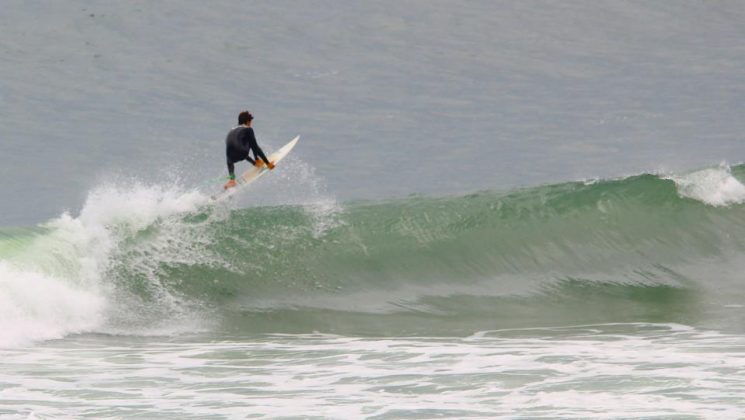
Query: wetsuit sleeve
x=231 y=169
x=253 y=145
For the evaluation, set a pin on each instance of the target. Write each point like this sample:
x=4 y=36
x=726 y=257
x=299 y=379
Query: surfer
x=238 y=143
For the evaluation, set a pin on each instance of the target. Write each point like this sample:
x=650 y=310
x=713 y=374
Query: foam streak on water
x=600 y=371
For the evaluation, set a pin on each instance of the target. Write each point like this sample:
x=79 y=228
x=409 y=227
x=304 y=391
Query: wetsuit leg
x=231 y=164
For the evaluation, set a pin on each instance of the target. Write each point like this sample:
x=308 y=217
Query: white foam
x=137 y=206
x=714 y=186
x=57 y=284
x=35 y=306
x=592 y=371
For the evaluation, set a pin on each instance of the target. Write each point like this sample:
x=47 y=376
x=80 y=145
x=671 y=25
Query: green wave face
x=609 y=251
x=643 y=248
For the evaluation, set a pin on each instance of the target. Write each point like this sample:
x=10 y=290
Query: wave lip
x=137 y=255
x=58 y=278
x=714 y=186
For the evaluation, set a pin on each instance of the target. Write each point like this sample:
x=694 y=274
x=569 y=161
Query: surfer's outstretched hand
x=229 y=184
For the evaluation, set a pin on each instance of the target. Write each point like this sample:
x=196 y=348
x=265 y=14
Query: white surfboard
x=253 y=173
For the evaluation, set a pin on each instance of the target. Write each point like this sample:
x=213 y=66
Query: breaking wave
x=144 y=259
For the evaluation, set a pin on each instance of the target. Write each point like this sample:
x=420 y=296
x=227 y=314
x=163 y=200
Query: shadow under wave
x=610 y=251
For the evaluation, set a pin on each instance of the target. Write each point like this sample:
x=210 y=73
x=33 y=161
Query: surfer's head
x=244 y=117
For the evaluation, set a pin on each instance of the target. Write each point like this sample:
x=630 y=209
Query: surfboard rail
x=255 y=172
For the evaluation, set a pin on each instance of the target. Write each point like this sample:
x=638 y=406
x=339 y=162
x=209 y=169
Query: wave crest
x=138 y=256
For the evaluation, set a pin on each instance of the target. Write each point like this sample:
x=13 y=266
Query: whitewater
x=515 y=209
x=462 y=306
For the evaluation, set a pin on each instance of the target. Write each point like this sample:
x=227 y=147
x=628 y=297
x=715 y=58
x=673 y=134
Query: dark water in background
x=496 y=209
x=391 y=98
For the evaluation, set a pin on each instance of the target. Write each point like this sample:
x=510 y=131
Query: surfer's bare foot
x=229 y=184
x=259 y=163
x=270 y=165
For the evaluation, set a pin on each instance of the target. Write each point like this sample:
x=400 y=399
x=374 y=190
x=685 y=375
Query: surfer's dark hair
x=244 y=117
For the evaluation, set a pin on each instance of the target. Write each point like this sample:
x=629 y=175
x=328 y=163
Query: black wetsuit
x=238 y=143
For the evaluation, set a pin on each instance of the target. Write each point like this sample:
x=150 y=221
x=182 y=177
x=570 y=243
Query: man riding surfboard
x=238 y=143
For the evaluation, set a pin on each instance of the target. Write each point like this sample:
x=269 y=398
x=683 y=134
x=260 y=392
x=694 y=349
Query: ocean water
x=496 y=210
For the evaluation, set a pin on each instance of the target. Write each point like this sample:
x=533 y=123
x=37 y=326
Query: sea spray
x=147 y=259
x=294 y=183
x=713 y=186
x=61 y=278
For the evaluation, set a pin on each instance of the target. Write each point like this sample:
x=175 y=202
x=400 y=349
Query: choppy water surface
x=598 y=371
x=586 y=299
x=518 y=209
